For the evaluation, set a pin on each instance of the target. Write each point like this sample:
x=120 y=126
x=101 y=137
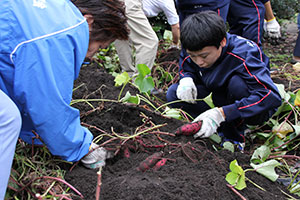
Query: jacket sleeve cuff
x=231 y=112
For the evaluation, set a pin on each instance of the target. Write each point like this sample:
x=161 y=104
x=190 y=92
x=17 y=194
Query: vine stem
x=99 y=183
x=236 y=192
x=286 y=156
x=53 y=178
x=255 y=184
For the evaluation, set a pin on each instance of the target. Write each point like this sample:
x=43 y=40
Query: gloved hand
x=211 y=120
x=187 y=90
x=96 y=158
x=272 y=28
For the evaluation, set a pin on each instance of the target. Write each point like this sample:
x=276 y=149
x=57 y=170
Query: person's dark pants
x=236 y=90
x=297 y=47
x=246 y=19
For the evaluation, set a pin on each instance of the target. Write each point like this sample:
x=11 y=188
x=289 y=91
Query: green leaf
x=144 y=84
x=172 y=112
x=232 y=178
x=281 y=130
x=209 y=101
x=168 y=35
x=234 y=167
x=297 y=100
x=297 y=129
x=122 y=79
x=267 y=169
x=283 y=108
x=260 y=154
x=131 y=99
x=277 y=142
x=284 y=95
x=236 y=177
x=143 y=70
x=264 y=135
x=229 y=146
x=216 y=138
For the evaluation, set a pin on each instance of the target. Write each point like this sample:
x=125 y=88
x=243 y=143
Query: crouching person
x=42 y=47
x=231 y=68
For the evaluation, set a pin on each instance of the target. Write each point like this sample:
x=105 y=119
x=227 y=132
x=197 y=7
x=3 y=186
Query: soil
x=187 y=168
x=281 y=56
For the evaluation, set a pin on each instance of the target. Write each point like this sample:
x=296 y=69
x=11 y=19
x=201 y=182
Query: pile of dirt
x=189 y=168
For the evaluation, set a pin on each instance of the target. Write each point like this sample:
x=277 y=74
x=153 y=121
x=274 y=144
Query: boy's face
x=207 y=56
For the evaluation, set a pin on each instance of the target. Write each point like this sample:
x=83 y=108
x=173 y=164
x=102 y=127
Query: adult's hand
x=272 y=28
x=96 y=157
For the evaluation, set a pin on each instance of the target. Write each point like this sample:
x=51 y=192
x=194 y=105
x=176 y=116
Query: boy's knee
x=237 y=88
x=171 y=93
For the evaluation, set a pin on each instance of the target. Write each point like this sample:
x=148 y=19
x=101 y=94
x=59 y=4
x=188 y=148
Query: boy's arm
x=264 y=94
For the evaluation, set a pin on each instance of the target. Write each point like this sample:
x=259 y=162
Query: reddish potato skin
x=150 y=161
x=189 y=129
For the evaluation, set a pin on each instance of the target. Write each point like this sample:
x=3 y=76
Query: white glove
x=272 y=28
x=96 y=158
x=211 y=120
x=187 y=90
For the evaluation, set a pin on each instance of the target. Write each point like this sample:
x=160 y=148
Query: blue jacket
x=42 y=47
x=244 y=58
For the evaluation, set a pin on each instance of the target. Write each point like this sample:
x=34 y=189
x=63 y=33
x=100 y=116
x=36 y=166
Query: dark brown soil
x=193 y=169
x=281 y=56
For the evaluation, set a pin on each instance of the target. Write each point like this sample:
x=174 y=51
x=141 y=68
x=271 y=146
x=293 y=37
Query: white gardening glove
x=96 y=158
x=187 y=90
x=211 y=120
x=272 y=28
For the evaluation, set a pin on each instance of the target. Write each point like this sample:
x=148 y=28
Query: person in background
x=42 y=46
x=232 y=69
x=142 y=39
x=296 y=53
x=188 y=7
x=246 y=18
x=152 y=8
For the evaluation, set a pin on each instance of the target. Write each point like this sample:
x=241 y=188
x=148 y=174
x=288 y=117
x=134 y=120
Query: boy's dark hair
x=202 y=29
x=110 y=21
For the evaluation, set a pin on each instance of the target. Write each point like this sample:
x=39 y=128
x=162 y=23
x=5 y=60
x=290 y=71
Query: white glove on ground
x=187 y=90
x=211 y=120
x=272 y=28
x=96 y=158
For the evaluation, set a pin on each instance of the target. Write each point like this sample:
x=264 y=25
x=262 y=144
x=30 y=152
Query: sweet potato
x=150 y=161
x=189 y=129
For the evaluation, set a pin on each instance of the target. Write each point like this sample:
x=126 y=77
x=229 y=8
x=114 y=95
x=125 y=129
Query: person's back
x=33 y=47
x=152 y=8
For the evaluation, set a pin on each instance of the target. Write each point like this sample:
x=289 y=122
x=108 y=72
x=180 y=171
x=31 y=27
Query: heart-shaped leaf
x=267 y=169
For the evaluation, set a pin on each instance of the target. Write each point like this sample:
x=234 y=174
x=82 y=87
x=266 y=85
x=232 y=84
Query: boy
x=230 y=67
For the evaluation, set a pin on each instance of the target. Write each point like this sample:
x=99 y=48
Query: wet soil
x=187 y=169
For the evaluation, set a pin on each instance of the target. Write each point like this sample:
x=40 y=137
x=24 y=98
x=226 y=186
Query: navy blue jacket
x=244 y=58
x=194 y=4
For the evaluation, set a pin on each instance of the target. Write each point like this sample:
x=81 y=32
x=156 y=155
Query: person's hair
x=110 y=21
x=202 y=29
